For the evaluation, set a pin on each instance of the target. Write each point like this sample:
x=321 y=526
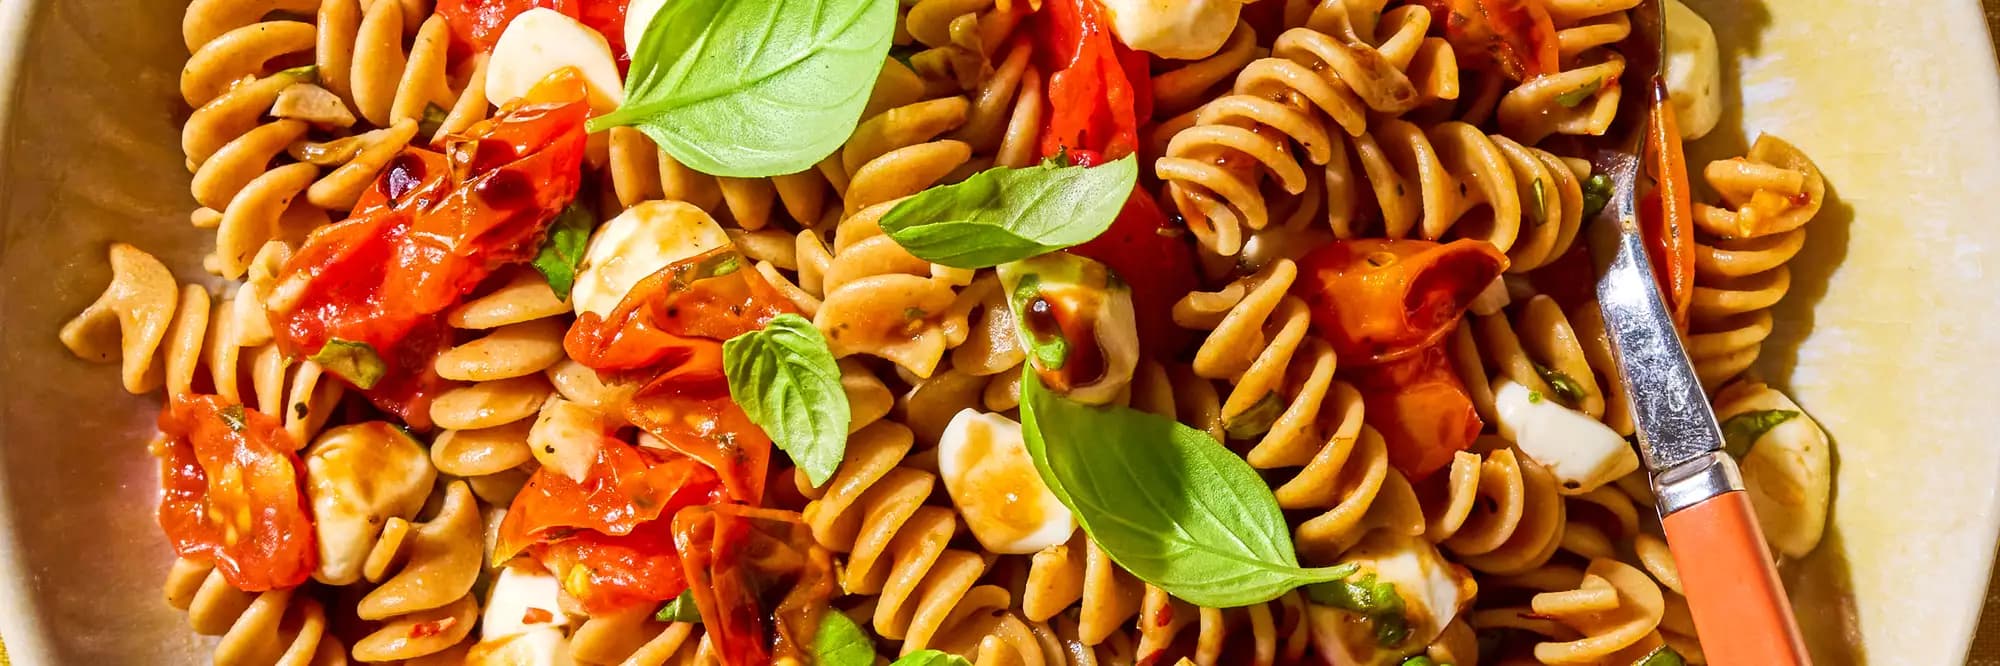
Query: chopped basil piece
x=681 y=609
x=1596 y=193
x=1534 y=397
x=1540 y=211
x=232 y=416
x=1421 y=660
x=355 y=362
x=562 y=249
x=1661 y=656
x=1566 y=388
x=302 y=72
x=433 y=119
x=841 y=642
x=1374 y=599
x=1742 y=431
x=1570 y=99
x=1257 y=419
x=931 y=658
x=1050 y=353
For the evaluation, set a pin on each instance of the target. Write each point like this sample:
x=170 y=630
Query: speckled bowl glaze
x=1888 y=337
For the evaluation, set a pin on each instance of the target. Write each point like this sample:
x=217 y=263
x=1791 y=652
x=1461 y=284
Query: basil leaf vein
x=562 y=250
x=744 y=88
x=1165 y=501
x=1005 y=214
x=786 y=380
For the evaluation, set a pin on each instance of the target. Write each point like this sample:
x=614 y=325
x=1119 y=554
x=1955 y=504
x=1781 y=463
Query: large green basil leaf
x=788 y=383
x=1165 y=501
x=1004 y=214
x=753 y=88
x=841 y=642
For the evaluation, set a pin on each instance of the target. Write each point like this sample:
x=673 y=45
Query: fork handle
x=1739 y=607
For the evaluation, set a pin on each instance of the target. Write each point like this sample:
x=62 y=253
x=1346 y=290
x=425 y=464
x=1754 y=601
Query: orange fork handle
x=1740 y=610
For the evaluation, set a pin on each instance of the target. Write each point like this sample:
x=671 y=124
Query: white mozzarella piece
x=357 y=477
x=539 y=646
x=1789 y=475
x=989 y=475
x=1694 y=71
x=514 y=592
x=1180 y=29
x=566 y=437
x=636 y=244
x=1581 y=452
x=1432 y=589
x=540 y=41
x=638 y=15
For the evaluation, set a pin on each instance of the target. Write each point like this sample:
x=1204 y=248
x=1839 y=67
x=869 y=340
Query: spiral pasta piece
x=1349 y=60
x=1741 y=252
x=1500 y=512
x=634 y=638
x=169 y=334
x=273 y=628
x=1614 y=611
x=1677 y=623
x=425 y=573
x=510 y=370
x=1537 y=347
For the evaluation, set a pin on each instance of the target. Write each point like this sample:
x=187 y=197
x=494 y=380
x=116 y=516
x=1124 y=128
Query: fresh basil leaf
x=1374 y=599
x=1004 y=214
x=232 y=416
x=1566 y=388
x=681 y=609
x=1257 y=419
x=1596 y=193
x=787 y=382
x=1662 y=656
x=841 y=642
x=1570 y=99
x=1165 y=501
x=1742 y=431
x=1538 y=212
x=754 y=88
x=355 y=362
x=562 y=249
x=931 y=658
x=309 y=73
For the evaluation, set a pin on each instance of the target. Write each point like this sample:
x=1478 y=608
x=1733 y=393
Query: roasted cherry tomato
x=1666 y=215
x=1153 y=255
x=232 y=493
x=1100 y=91
x=611 y=573
x=427 y=233
x=1378 y=300
x=667 y=334
x=759 y=578
x=625 y=487
x=1385 y=306
x=1421 y=408
x=1514 y=38
x=477 y=24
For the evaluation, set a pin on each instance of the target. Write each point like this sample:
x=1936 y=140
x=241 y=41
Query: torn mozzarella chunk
x=521 y=600
x=636 y=244
x=1694 y=73
x=566 y=437
x=1581 y=452
x=358 y=477
x=989 y=475
x=1433 y=592
x=540 y=41
x=1179 y=29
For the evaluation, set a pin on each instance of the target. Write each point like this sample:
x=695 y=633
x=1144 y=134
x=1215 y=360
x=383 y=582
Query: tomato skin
x=1153 y=255
x=433 y=226
x=1515 y=37
x=625 y=487
x=232 y=493
x=1100 y=91
x=667 y=334
x=1421 y=408
x=758 y=577
x=1386 y=306
x=477 y=24
x=1379 y=300
x=611 y=573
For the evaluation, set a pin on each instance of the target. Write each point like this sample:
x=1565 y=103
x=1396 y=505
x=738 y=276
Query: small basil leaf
x=1566 y=388
x=1165 y=501
x=355 y=362
x=1420 y=660
x=562 y=250
x=841 y=642
x=1742 y=431
x=754 y=89
x=681 y=609
x=1662 y=656
x=232 y=416
x=1570 y=99
x=1257 y=419
x=308 y=73
x=1539 y=208
x=1004 y=214
x=1596 y=193
x=931 y=658
x=1374 y=599
x=433 y=119
x=787 y=382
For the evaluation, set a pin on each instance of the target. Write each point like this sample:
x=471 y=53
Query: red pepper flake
x=537 y=616
x=432 y=628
